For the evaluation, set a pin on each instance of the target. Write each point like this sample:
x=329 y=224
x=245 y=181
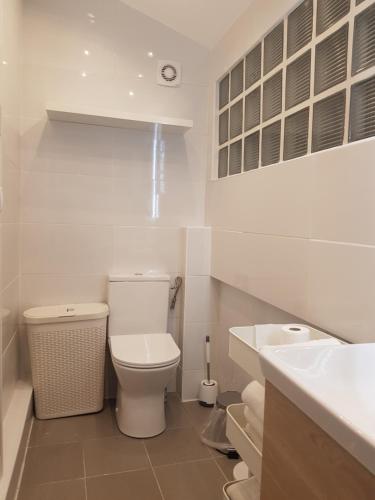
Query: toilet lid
x=144 y=351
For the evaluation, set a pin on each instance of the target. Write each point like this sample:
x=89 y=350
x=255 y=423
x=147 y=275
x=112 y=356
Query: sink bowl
x=245 y=343
x=334 y=385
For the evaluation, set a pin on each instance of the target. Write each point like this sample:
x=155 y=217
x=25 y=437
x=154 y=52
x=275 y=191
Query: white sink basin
x=333 y=385
x=246 y=341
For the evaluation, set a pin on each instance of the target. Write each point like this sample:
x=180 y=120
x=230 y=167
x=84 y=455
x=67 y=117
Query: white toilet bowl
x=144 y=365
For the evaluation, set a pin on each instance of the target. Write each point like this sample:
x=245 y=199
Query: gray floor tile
x=175 y=445
x=59 y=462
x=66 y=490
x=138 y=485
x=114 y=454
x=191 y=481
x=75 y=429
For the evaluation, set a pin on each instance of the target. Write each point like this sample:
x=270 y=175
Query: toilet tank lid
x=138 y=277
x=65 y=312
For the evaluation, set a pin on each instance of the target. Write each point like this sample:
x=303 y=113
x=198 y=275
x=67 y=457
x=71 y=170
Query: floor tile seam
x=221 y=470
x=139 y=469
x=78 y=441
x=84 y=471
x=196 y=460
x=153 y=471
x=59 y=481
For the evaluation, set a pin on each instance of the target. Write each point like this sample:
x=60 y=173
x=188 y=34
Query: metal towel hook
x=175 y=288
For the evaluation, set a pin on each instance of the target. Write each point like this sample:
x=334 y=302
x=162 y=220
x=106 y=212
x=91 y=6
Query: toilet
x=145 y=357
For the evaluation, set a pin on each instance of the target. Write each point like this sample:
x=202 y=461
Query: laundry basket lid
x=65 y=312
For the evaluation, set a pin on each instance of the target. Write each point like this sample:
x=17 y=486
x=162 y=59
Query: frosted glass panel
x=252 y=109
x=235 y=158
x=296 y=134
x=253 y=70
x=364 y=40
x=224 y=92
x=251 y=153
x=223 y=162
x=273 y=48
x=298 y=76
x=300 y=26
x=272 y=96
x=236 y=81
x=236 y=119
x=271 y=136
x=223 y=127
x=362 y=110
x=328 y=122
x=329 y=12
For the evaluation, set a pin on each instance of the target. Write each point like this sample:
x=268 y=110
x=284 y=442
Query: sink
x=334 y=385
x=246 y=341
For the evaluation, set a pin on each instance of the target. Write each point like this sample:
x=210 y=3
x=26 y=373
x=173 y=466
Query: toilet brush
x=208 y=388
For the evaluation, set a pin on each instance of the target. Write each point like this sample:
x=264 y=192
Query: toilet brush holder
x=208 y=393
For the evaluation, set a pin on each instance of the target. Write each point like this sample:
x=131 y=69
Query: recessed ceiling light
x=91 y=15
x=140 y=75
x=86 y=52
x=5 y=62
x=150 y=54
x=83 y=74
x=131 y=93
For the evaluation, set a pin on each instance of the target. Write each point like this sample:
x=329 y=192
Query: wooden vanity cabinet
x=302 y=462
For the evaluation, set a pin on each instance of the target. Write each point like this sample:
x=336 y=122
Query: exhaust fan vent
x=169 y=73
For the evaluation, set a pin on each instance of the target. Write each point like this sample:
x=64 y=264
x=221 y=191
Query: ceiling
x=204 y=21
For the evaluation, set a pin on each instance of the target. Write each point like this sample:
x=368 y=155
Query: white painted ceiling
x=204 y=21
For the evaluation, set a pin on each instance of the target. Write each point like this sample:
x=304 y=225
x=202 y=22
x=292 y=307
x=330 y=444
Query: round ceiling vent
x=169 y=73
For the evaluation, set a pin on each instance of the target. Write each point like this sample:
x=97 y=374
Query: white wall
x=299 y=235
x=10 y=180
x=97 y=200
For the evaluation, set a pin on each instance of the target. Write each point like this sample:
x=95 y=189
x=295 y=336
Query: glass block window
x=364 y=40
x=296 y=134
x=328 y=122
x=235 y=157
x=271 y=137
x=223 y=127
x=300 y=27
x=236 y=119
x=331 y=62
x=236 y=81
x=362 y=112
x=329 y=12
x=252 y=109
x=298 y=77
x=253 y=71
x=324 y=99
x=273 y=96
x=223 y=163
x=251 y=152
x=273 y=48
x=224 y=92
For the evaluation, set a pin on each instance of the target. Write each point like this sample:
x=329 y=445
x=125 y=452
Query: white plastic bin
x=67 y=350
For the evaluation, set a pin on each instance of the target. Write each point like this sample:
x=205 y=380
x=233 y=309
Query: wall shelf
x=118 y=119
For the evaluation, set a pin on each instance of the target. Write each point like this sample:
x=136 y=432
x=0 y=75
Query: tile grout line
x=153 y=470
x=222 y=472
x=84 y=471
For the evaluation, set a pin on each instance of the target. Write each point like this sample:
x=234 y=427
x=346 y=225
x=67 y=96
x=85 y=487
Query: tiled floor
x=87 y=458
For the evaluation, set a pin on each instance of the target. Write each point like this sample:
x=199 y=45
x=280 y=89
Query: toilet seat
x=144 y=351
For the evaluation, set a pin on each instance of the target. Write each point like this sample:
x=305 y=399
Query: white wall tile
x=158 y=203
x=9 y=372
x=9 y=239
x=50 y=289
x=200 y=299
x=66 y=199
x=67 y=148
x=66 y=249
x=272 y=268
x=11 y=187
x=342 y=289
x=343 y=194
x=198 y=251
x=272 y=200
x=194 y=345
x=9 y=312
x=142 y=249
x=190 y=384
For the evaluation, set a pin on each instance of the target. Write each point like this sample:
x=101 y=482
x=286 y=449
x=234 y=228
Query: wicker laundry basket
x=67 y=350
